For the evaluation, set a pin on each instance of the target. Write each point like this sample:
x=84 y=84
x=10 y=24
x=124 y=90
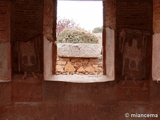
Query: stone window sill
x=4 y=80
x=79 y=78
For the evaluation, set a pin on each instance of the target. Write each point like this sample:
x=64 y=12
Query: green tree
x=76 y=35
x=97 y=30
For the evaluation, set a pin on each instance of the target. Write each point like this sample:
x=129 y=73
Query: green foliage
x=76 y=35
x=97 y=30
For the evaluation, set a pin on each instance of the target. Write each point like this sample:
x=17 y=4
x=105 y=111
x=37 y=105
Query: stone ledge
x=82 y=50
x=80 y=78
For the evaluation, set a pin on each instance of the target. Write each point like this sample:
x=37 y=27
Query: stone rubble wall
x=79 y=66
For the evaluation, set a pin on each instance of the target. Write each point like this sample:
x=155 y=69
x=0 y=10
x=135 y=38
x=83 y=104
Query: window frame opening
x=50 y=58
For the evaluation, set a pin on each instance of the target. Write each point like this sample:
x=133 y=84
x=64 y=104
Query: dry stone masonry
x=80 y=66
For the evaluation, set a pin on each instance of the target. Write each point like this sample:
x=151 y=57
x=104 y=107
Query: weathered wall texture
x=156 y=40
x=49 y=26
x=26 y=35
x=5 y=67
x=134 y=46
x=108 y=38
x=33 y=98
x=49 y=23
x=110 y=14
x=79 y=66
x=27 y=19
x=156 y=16
x=134 y=39
x=4 y=21
x=136 y=14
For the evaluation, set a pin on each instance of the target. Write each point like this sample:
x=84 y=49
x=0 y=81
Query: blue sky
x=88 y=14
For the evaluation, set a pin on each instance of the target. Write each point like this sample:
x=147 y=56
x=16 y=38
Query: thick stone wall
x=34 y=98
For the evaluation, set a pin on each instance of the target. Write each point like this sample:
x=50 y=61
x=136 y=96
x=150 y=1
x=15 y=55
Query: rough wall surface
x=34 y=99
x=134 y=39
x=4 y=21
x=156 y=16
x=134 y=49
x=110 y=52
x=80 y=66
x=26 y=35
x=156 y=40
x=109 y=14
x=5 y=67
x=49 y=20
x=136 y=14
x=27 y=19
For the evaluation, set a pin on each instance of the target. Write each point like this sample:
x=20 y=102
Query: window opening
x=79 y=38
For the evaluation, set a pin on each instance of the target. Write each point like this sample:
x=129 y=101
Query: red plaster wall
x=27 y=19
x=135 y=19
x=26 y=25
x=136 y=14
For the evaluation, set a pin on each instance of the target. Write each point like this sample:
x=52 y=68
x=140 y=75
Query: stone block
x=61 y=62
x=82 y=50
x=69 y=67
x=59 y=68
x=77 y=64
x=90 y=69
x=81 y=69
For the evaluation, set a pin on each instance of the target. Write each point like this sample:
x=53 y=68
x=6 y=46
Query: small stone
x=94 y=60
x=95 y=66
x=58 y=73
x=75 y=60
x=58 y=58
x=90 y=69
x=64 y=59
x=80 y=73
x=77 y=64
x=69 y=67
x=61 y=62
x=96 y=63
x=59 y=68
x=92 y=73
x=64 y=73
x=81 y=69
x=84 y=60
